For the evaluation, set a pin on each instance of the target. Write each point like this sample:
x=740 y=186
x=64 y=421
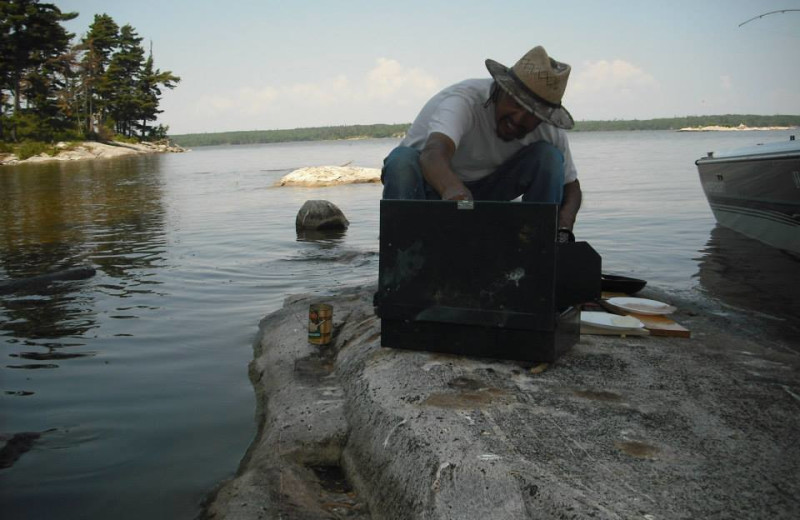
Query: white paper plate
x=641 y=305
x=605 y=320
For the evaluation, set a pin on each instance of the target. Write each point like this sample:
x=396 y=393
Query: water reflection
x=56 y=312
x=323 y=237
x=109 y=214
x=328 y=246
x=748 y=275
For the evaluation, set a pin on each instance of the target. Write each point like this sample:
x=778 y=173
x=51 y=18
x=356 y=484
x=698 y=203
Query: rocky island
x=93 y=150
x=319 y=176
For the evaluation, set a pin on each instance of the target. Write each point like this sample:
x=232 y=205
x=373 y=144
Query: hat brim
x=557 y=116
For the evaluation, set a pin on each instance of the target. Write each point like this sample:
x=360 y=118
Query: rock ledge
x=637 y=427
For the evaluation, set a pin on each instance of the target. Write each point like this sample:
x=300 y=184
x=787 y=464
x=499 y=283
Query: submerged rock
x=15 y=446
x=320 y=215
x=37 y=282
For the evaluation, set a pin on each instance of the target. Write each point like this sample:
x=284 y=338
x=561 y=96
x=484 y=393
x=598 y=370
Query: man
x=493 y=139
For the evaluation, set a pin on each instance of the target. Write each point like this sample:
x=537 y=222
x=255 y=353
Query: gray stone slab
x=638 y=427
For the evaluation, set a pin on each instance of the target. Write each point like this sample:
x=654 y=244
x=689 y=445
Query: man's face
x=513 y=120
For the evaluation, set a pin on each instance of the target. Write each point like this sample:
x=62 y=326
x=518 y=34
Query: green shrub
x=30 y=148
x=71 y=145
x=105 y=132
x=68 y=135
x=125 y=139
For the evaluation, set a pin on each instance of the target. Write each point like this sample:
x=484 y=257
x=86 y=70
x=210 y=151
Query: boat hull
x=756 y=192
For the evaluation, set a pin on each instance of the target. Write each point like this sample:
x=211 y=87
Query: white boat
x=756 y=191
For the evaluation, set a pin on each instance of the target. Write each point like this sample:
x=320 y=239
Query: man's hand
x=457 y=192
x=570 y=205
x=565 y=236
x=435 y=160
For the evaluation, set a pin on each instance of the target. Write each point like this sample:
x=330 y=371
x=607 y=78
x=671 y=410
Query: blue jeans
x=536 y=172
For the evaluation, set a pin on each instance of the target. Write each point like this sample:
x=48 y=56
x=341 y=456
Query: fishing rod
x=766 y=14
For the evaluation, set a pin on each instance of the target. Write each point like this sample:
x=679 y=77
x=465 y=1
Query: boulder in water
x=320 y=215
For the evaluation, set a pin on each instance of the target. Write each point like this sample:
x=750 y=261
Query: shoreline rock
x=322 y=176
x=634 y=427
x=93 y=150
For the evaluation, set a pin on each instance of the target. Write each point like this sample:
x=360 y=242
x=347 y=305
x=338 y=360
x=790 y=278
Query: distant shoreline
x=740 y=128
x=96 y=150
x=728 y=122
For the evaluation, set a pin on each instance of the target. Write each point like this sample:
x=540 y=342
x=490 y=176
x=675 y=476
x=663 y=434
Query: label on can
x=320 y=323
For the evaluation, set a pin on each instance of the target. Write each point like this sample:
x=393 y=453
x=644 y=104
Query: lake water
x=136 y=378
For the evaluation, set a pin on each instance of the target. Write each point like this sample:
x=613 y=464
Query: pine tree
x=118 y=88
x=97 y=46
x=149 y=93
x=49 y=90
x=33 y=44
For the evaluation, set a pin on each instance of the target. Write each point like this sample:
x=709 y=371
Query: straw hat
x=537 y=82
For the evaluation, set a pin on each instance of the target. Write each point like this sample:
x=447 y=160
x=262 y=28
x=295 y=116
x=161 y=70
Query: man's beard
x=508 y=131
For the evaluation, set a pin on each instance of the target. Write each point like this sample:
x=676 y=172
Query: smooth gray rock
x=320 y=215
x=639 y=427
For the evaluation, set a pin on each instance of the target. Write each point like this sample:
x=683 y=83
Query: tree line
x=101 y=86
x=321 y=133
x=328 y=133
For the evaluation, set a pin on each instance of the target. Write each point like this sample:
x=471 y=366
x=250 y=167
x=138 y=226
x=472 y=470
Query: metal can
x=320 y=323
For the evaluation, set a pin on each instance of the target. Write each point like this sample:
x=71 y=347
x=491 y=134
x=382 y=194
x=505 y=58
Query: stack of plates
x=611 y=322
x=640 y=306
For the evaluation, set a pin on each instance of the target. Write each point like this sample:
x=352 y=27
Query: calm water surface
x=137 y=378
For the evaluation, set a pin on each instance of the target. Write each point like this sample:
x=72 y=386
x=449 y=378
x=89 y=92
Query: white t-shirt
x=458 y=112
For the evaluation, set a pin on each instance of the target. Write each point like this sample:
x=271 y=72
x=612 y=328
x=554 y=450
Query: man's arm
x=570 y=204
x=435 y=160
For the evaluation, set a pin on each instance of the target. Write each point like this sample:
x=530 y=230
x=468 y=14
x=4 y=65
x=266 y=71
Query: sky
x=277 y=64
